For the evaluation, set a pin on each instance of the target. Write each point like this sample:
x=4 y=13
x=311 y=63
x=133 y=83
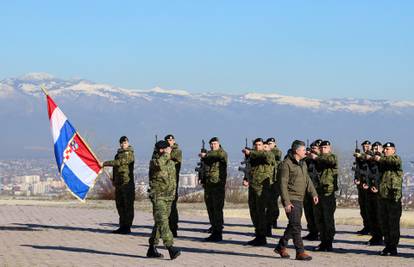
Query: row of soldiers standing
x=306 y=179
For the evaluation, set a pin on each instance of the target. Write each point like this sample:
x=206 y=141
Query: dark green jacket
x=215 y=167
x=328 y=166
x=294 y=181
x=123 y=166
x=392 y=176
x=162 y=179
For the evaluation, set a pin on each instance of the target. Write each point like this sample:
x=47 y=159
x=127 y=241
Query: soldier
x=314 y=175
x=327 y=163
x=177 y=157
x=372 y=186
x=162 y=190
x=390 y=194
x=261 y=175
x=123 y=180
x=273 y=209
x=215 y=176
x=294 y=183
x=361 y=174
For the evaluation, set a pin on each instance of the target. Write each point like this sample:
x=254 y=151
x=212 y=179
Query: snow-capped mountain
x=103 y=112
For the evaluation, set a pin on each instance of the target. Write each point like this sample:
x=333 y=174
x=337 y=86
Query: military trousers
x=161 y=209
x=324 y=217
x=362 y=201
x=390 y=214
x=173 y=219
x=373 y=215
x=294 y=228
x=259 y=201
x=214 y=196
x=309 y=215
x=272 y=212
x=124 y=199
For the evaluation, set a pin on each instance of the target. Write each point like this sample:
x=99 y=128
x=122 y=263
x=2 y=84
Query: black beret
x=169 y=136
x=123 y=139
x=388 y=144
x=214 y=139
x=376 y=144
x=271 y=139
x=317 y=142
x=161 y=144
x=258 y=140
x=325 y=143
x=366 y=142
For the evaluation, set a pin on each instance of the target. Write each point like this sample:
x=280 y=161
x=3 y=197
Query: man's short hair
x=296 y=144
x=123 y=139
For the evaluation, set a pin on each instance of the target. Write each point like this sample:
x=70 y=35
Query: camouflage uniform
x=123 y=180
x=261 y=174
x=272 y=213
x=177 y=157
x=324 y=211
x=163 y=185
x=390 y=193
x=308 y=205
x=361 y=174
x=215 y=176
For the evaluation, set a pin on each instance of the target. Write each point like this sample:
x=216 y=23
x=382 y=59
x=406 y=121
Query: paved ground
x=38 y=235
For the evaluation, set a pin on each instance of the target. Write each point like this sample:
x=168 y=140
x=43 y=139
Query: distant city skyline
x=316 y=49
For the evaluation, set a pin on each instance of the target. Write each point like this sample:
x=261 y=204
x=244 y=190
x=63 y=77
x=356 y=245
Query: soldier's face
x=315 y=149
x=389 y=151
x=171 y=141
x=377 y=149
x=258 y=146
x=325 y=149
x=124 y=145
x=272 y=145
x=366 y=148
x=214 y=145
x=266 y=147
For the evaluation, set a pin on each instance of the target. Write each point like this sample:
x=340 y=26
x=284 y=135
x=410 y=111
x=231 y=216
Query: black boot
x=122 y=231
x=385 y=252
x=375 y=241
x=311 y=237
x=174 y=252
x=321 y=247
x=214 y=237
x=258 y=241
x=153 y=253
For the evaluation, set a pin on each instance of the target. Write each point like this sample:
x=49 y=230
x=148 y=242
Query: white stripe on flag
x=56 y=123
x=81 y=170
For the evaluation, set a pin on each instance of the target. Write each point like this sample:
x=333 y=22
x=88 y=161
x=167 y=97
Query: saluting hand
x=374 y=189
x=365 y=186
x=246 y=151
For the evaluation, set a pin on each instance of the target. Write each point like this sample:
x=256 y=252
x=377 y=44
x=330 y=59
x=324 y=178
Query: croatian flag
x=77 y=164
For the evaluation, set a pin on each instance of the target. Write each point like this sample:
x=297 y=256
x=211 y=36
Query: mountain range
x=102 y=113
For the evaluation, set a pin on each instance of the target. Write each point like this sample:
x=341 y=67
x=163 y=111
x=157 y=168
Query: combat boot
x=282 y=252
x=258 y=241
x=174 y=252
x=214 y=237
x=321 y=247
x=311 y=237
x=393 y=252
x=385 y=252
x=153 y=253
x=375 y=241
x=303 y=256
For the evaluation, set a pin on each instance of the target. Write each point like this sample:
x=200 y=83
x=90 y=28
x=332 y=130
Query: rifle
x=357 y=150
x=156 y=138
x=200 y=165
x=308 y=149
x=246 y=162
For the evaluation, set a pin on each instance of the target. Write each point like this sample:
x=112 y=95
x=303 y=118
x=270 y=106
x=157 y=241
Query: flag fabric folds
x=77 y=164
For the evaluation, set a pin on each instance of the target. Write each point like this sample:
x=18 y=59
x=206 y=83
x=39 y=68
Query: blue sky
x=321 y=49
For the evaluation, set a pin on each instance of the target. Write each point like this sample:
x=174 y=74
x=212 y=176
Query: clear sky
x=322 y=49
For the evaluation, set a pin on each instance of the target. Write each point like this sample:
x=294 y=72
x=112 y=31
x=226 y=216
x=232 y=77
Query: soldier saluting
x=163 y=184
x=123 y=180
x=390 y=194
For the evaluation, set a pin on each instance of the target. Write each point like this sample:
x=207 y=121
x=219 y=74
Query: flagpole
x=44 y=90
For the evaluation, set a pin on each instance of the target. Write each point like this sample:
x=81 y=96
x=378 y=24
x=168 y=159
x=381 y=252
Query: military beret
x=325 y=143
x=123 y=139
x=270 y=139
x=214 y=139
x=366 y=142
x=376 y=144
x=317 y=142
x=258 y=140
x=161 y=144
x=169 y=136
x=389 y=144
x=265 y=142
